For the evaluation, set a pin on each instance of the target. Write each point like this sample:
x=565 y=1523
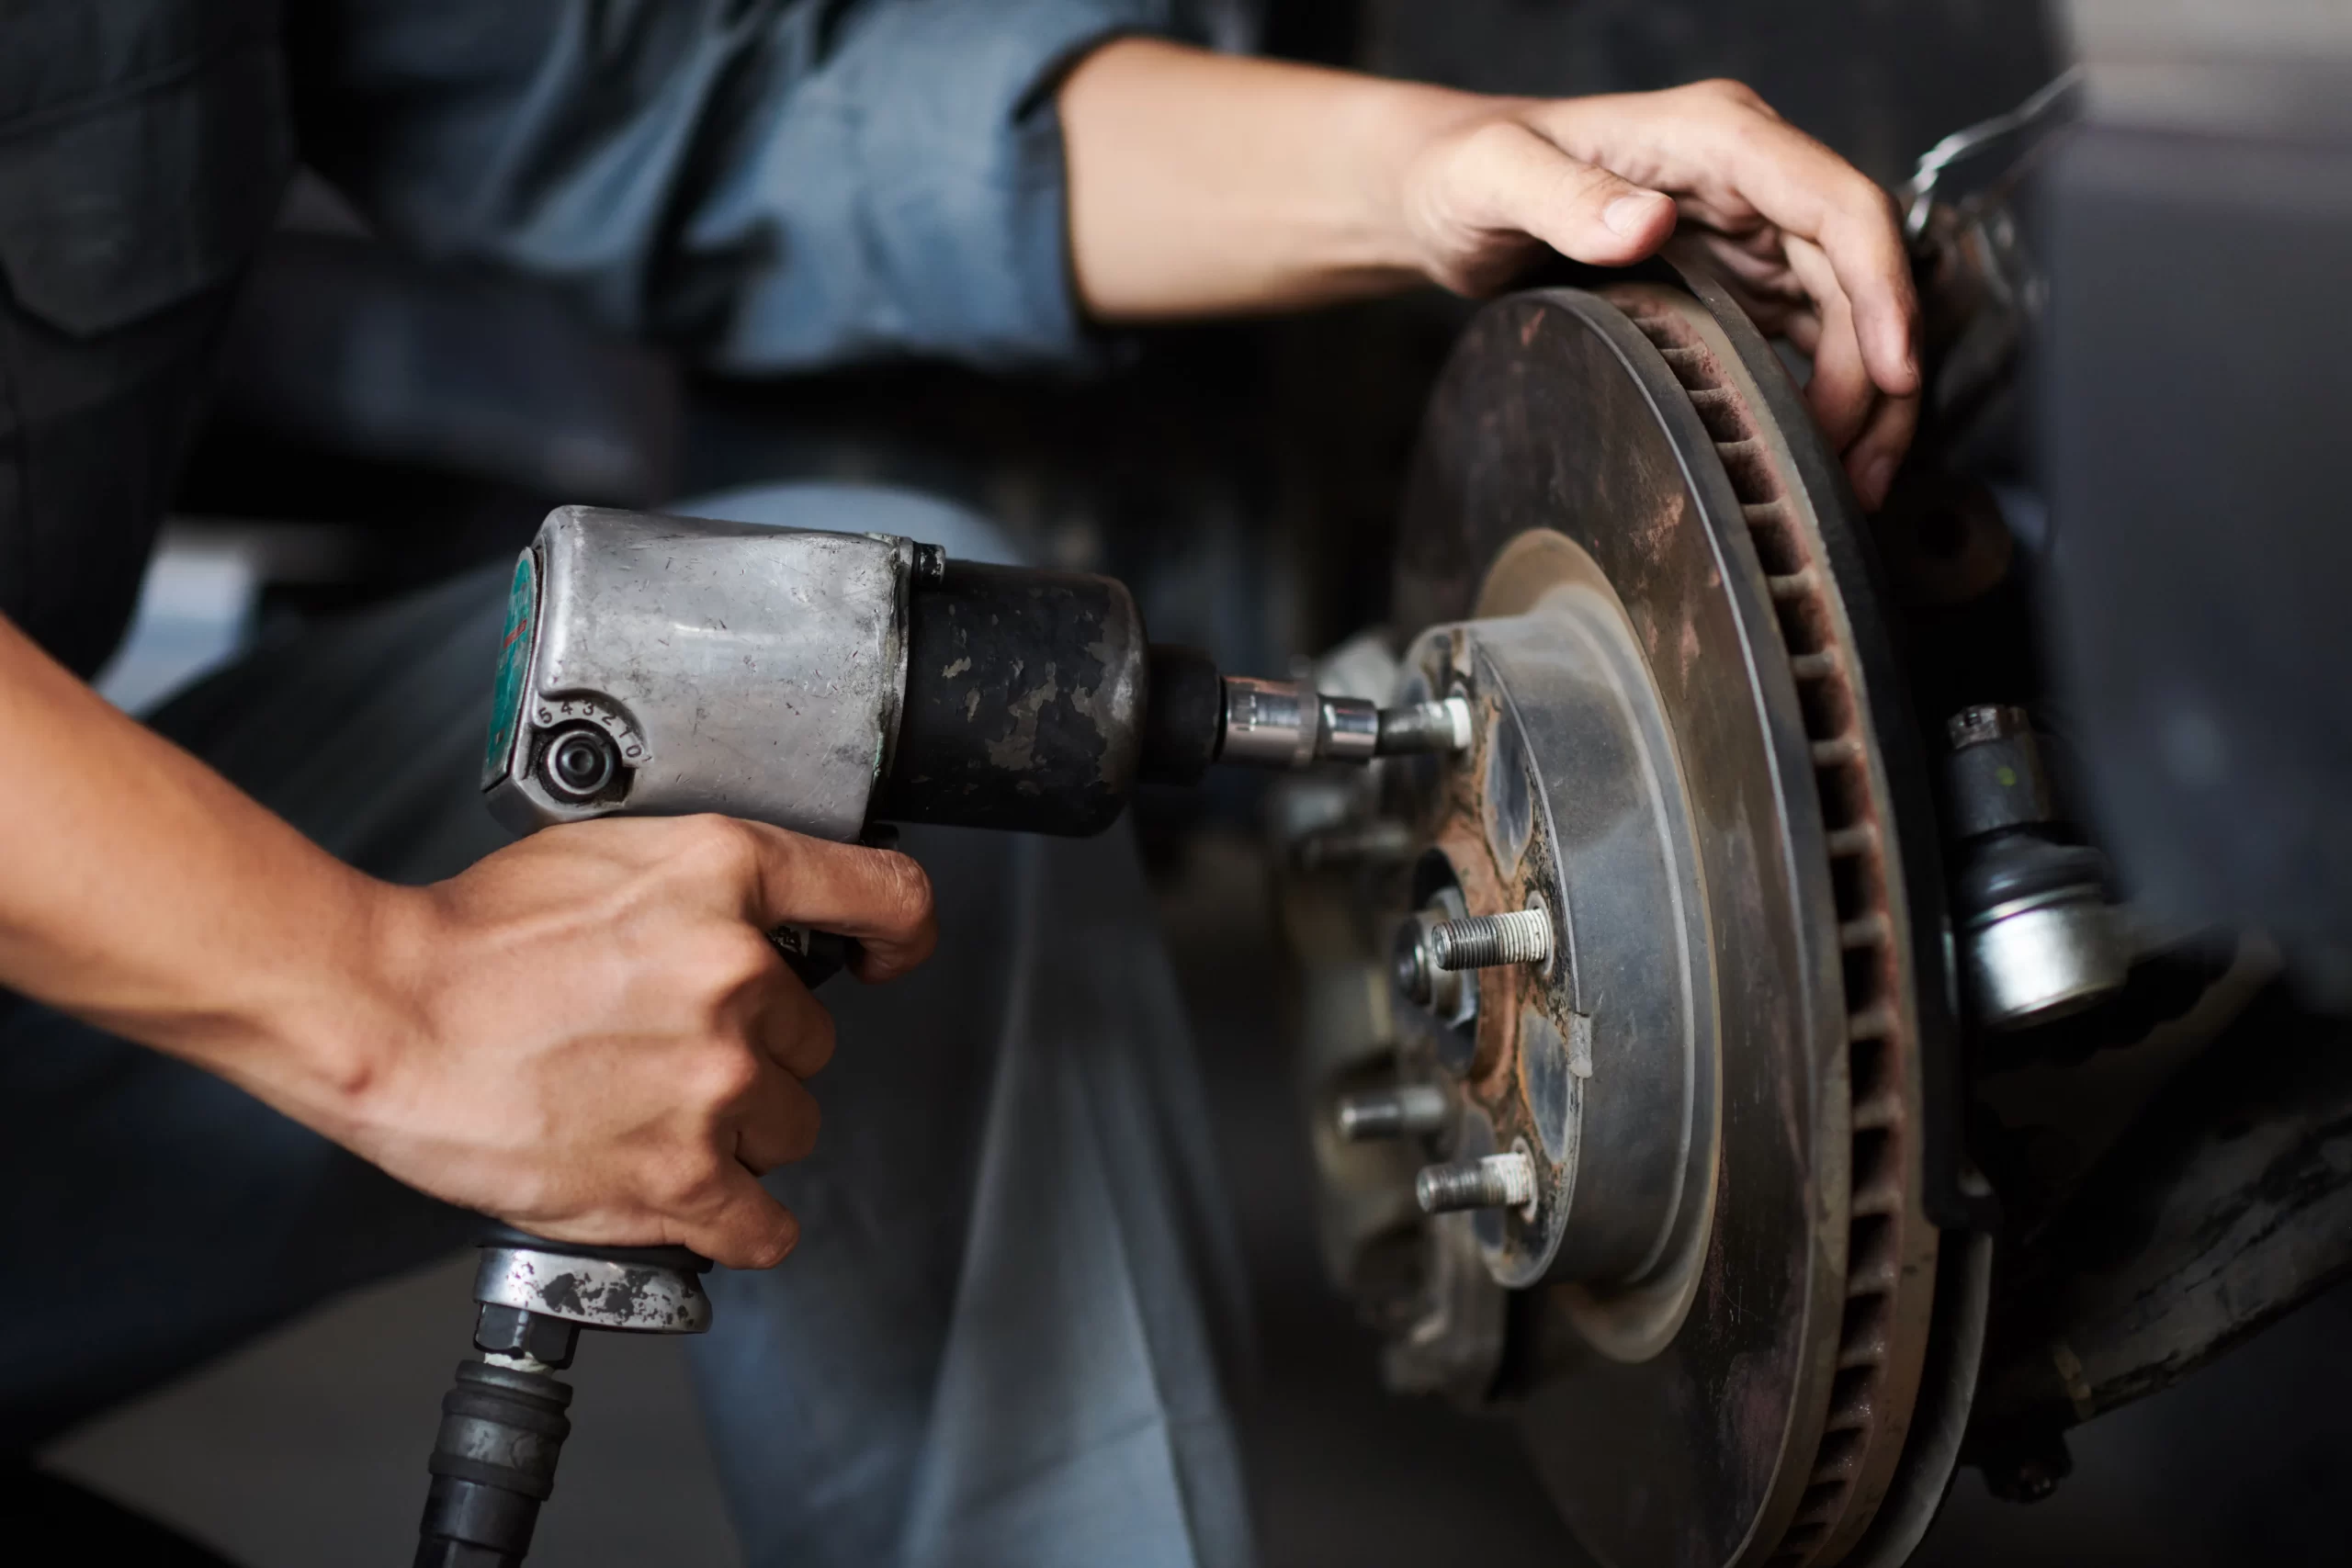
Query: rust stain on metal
x=1889 y=1249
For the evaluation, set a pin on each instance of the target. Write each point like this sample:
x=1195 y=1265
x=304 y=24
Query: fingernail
x=1629 y=215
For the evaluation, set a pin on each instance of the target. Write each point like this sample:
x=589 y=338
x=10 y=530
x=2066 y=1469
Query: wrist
x=322 y=1034
x=1398 y=128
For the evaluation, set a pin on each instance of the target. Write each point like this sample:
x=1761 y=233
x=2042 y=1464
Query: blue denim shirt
x=769 y=185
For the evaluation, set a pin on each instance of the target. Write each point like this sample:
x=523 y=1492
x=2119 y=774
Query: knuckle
x=725 y=1076
x=725 y=963
x=1732 y=91
x=742 y=956
x=718 y=847
x=1863 y=202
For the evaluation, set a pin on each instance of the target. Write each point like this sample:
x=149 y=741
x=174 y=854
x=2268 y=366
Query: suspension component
x=2041 y=937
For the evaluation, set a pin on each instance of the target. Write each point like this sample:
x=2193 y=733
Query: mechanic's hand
x=1810 y=246
x=603 y=1046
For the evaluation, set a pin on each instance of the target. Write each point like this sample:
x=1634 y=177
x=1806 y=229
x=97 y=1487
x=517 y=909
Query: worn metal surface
x=1268 y=723
x=641 y=1297
x=750 y=671
x=1025 y=693
x=1870 y=780
x=1682 y=462
x=1289 y=724
x=2045 y=955
x=2040 y=937
x=1566 y=826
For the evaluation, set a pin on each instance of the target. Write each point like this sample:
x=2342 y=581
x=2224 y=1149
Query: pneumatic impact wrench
x=832 y=685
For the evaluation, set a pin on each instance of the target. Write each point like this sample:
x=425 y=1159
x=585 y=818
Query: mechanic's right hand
x=600 y=1043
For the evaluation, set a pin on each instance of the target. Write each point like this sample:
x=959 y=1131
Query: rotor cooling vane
x=1668 y=1095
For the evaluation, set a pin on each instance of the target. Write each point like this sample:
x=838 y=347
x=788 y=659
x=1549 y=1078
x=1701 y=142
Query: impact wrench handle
x=504 y=1423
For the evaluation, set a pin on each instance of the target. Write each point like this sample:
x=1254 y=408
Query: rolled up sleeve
x=771 y=188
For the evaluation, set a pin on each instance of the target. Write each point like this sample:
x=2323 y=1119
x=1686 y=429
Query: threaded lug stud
x=1412 y=1110
x=1497 y=1181
x=1490 y=942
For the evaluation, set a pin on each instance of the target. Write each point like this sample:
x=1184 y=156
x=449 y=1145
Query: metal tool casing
x=1028 y=700
x=750 y=671
x=601 y=1293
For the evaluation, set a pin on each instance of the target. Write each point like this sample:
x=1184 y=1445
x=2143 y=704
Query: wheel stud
x=1412 y=1110
x=1497 y=1181
x=1490 y=942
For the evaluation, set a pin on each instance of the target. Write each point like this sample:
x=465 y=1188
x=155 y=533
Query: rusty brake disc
x=1725 y=1372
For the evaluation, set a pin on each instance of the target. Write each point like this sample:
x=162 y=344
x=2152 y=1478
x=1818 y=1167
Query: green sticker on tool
x=514 y=668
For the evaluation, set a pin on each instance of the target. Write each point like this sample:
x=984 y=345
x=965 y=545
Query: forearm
x=1201 y=184
x=142 y=891
x=587 y=1034
x=1204 y=184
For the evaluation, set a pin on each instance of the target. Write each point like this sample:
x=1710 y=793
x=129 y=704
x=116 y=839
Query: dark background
x=1244 y=480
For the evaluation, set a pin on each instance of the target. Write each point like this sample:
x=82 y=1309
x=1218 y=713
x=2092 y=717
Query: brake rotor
x=1628 y=547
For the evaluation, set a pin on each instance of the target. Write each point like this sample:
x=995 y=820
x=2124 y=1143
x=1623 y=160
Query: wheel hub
x=1569 y=802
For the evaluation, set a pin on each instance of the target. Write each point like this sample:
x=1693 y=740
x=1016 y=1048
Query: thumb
x=1518 y=180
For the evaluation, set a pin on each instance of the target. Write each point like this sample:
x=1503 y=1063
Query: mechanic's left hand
x=1809 y=243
